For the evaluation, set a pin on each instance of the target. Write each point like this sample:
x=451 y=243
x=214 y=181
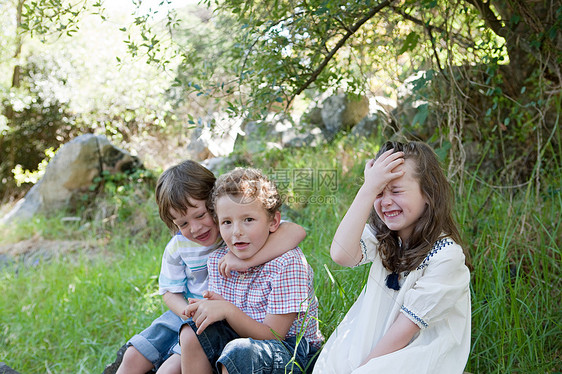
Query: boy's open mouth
x=241 y=245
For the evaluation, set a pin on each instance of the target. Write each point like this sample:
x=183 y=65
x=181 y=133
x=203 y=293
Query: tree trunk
x=532 y=35
x=16 y=78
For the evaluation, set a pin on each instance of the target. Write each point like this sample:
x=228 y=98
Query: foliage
x=491 y=81
x=485 y=86
x=38 y=116
x=72 y=85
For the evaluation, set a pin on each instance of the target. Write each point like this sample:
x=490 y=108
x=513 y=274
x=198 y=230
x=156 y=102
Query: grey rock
x=5 y=369
x=342 y=112
x=71 y=172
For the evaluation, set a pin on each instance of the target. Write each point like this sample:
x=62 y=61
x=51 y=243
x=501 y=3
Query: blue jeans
x=158 y=341
x=223 y=346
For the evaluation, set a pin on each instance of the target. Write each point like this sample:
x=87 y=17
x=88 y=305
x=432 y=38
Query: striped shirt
x=184 y=267
x=281 y=286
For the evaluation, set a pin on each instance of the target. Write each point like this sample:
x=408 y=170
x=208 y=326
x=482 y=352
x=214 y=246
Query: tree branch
x=352 y=30
x=465 y=42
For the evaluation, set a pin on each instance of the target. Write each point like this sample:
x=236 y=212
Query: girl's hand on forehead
x=379 y=172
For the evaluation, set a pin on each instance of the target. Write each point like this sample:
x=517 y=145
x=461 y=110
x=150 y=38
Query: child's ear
x=275 y=221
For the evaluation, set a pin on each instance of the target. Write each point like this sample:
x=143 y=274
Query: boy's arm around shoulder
x=287 y=236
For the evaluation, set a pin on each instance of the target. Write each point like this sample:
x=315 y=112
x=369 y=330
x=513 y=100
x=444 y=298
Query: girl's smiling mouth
x=391 y=213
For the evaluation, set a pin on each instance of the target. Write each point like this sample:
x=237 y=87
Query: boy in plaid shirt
x=257 y=320
x=181 y=193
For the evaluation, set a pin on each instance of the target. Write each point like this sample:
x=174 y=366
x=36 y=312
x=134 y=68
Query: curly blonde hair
x=246 y=185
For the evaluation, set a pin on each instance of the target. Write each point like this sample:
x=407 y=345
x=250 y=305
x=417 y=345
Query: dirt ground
x=37 y=248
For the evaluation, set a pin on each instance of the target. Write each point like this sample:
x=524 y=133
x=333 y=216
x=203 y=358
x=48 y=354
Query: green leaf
x=421 y=115
x=410 y=42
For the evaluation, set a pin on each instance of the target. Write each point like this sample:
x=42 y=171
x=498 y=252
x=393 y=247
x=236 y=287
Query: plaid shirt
x=281 y=286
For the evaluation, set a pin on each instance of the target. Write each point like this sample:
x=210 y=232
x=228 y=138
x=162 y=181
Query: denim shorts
x=158 y=341
x=239 y=355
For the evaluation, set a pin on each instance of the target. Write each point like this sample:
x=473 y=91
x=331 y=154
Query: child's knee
x=132 y=354
x=241 y=346
x=187 y=337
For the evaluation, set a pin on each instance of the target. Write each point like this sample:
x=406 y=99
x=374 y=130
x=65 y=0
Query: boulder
x=215 y=138
x=311 y=138
x=5 y=369
x=112 y=368
x=70 y=173
x=368 y=126
x=266 y=134
x=342 y=112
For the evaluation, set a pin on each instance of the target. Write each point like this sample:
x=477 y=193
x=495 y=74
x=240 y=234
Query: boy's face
x=244 y=227
x=196 y=224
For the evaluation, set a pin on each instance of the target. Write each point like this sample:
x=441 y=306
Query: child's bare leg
x=224 y=371
x=193 y=358
x=171 y=366
x=134 y=362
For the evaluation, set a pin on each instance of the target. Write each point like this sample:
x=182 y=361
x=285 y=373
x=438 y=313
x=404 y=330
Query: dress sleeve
x=174 y=272
x=369 y=245
x=444 y=282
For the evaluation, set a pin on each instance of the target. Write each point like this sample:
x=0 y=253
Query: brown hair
x=248 y=184
x=436 y=221
x=179 y=183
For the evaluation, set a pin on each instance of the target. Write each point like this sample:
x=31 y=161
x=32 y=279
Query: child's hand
x=229 y=263
x=210 y=295
x=379 y=172
x=205 y=312
x=188 y=312
x=193 y=304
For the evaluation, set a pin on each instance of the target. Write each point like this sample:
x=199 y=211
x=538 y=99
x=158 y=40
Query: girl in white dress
x=414 y=313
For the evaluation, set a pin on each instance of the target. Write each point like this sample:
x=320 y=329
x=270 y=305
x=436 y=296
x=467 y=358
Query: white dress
x=435 y=296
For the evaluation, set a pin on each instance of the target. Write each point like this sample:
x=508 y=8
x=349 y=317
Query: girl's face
x=401 y=203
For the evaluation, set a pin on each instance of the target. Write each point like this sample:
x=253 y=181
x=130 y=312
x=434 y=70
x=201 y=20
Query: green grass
x=70 y=313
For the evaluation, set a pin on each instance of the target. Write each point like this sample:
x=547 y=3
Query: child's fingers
x=222 y=266
x=395 y=163
x=227 y=271
x=190 y=310
x=203 y=325
x=392 y=157
x=210 y=295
